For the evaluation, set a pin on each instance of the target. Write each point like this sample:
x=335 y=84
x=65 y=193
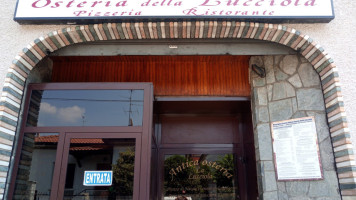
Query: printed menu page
x=296 y=150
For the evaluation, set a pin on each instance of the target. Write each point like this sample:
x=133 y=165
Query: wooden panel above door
x=171 y=75
x=199 y=130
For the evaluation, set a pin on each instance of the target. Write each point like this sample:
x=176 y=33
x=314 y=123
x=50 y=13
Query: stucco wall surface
x=337 y=38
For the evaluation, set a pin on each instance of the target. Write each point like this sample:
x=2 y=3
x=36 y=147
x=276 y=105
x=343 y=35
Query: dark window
x=70 y=176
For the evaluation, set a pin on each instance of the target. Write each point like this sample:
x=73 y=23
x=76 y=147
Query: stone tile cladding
x=35 y=51
x=291 y=89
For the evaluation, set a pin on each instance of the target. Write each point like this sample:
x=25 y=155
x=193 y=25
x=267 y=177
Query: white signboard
x=296 y=149
x=128 y=9
x=97 y=178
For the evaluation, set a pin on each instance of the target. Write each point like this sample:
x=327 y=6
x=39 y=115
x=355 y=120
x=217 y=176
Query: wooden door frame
x=145 y=131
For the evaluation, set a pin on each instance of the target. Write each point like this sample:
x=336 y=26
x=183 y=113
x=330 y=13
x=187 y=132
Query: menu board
x=296 y=149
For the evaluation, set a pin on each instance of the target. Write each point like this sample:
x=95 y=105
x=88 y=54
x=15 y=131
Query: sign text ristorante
x=172 y=8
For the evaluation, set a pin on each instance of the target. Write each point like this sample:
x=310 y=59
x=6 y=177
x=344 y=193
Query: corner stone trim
x=31 y=55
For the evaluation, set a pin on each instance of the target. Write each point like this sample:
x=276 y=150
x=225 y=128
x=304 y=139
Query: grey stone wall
x=42 y=72
x=291 y=89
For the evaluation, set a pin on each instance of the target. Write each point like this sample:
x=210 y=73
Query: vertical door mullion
x=137 y=168
x=63 y=168
x=146 y=143
x=161 y=154
x=56 y=174
x=241 y=173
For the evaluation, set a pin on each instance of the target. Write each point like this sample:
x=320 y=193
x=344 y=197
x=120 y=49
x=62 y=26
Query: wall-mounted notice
x=296 y=149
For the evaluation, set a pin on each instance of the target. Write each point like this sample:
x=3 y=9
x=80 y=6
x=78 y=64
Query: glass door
x=200 y=157
x=74 y=132
x=100 y=166
x=201 y=174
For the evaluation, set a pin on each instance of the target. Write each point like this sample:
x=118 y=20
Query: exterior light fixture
x=260 y=71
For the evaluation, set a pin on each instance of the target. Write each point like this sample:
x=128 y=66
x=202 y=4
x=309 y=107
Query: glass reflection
x=200 y=177
x=116 y=155
x=35 y=170
x=85 y=108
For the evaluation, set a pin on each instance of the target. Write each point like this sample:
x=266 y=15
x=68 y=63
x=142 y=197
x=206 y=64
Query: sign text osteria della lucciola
x=72 y=9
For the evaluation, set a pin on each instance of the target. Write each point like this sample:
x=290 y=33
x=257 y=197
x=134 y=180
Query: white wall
x=337 y=38
x=42 y=167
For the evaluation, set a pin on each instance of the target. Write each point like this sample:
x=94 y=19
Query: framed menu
x=296 y=150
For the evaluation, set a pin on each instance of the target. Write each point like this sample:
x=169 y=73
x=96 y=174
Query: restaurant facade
x=220 y=100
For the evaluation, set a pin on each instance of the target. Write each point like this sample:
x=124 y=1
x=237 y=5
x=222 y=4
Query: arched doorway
x=275 y=33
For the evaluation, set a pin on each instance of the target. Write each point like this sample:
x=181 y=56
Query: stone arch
x=37 y=50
